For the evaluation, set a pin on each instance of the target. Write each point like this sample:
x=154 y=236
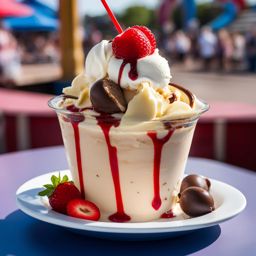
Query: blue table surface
x=23 y=235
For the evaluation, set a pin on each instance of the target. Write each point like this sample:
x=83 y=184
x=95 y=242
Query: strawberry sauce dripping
x=106 y=121
x=158 y=146
x=133 y=73
x=73 y=108
x=78 y=156
x=75 y=120
x=168 y=215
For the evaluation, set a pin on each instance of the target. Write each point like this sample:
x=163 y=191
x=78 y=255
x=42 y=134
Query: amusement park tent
x=43 y=18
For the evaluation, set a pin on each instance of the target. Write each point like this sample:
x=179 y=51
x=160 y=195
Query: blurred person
x=239 y=50
x=170 y=47
x=96 y=35
x=40 y=43
x=33 y=45
x=50 y=52
x=27 y=48
x=226 y=48
x=193 y=33
x=165 y=30
x=10 y=67
x=251 y=50
x=207 y=46
x=51 y=49
x=182 y=45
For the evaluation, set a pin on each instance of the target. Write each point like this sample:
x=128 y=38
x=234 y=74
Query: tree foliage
x=138 y=15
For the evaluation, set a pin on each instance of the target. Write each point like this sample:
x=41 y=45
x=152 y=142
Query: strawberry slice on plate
x=83 y=209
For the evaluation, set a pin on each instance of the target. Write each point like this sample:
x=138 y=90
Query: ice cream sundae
x=127 y=128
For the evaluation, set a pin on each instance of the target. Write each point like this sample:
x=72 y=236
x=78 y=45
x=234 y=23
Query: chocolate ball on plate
x=194 y=180
x=196 y=201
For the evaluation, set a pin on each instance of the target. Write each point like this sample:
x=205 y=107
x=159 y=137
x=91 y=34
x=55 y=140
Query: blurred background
x=210 y=45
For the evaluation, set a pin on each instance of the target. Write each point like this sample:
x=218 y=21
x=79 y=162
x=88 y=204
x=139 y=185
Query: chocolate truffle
x=194 y=180
x=195 y=201
x=107 y=97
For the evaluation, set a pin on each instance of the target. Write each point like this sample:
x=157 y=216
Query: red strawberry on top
x=60 y=192
x=83 y=209
x=134 y=43
x=147 y=32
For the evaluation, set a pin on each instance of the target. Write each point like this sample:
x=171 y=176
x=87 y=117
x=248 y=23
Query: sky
x=94 y=7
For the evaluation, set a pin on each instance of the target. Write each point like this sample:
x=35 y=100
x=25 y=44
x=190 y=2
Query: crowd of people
x=208 y=50
x=222 y=50
x=25 y=48
x=9 y=57
x=39 y=47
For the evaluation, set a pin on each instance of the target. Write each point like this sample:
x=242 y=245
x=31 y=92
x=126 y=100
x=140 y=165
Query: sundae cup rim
x=53 y=103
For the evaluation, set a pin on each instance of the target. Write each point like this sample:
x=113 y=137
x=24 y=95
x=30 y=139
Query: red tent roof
x=10 y=8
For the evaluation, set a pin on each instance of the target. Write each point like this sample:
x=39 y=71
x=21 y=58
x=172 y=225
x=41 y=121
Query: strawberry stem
x=112 y=17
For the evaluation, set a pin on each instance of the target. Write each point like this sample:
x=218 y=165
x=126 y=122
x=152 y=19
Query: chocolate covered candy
x=106 y=96
x=196 y=201
x=194 y=180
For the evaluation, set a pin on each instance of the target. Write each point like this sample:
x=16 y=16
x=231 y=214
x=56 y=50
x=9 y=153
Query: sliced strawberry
x=83 y=209
x=147 y=32
x=132 y=44
x=60 y=192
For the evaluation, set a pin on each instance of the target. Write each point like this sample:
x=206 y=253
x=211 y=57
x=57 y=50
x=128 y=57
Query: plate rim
x=111 y=227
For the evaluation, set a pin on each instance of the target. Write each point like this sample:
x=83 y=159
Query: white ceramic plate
x=228 y=202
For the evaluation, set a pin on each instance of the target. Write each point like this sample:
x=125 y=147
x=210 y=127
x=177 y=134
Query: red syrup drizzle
x=106 y=121
x=78 y=156
x=75 y=120
x=158 y=146
x=133 y=73
x=168 y=215
x=73 y=108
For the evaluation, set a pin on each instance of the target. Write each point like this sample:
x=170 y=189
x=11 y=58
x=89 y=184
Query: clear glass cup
x=131 y=174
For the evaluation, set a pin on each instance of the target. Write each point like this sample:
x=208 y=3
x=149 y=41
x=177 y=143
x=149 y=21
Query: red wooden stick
x=112 y=17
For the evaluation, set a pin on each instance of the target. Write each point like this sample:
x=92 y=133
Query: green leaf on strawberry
x=49 y=188
x=64 y=179
x=44 y=193
x=55 y=180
